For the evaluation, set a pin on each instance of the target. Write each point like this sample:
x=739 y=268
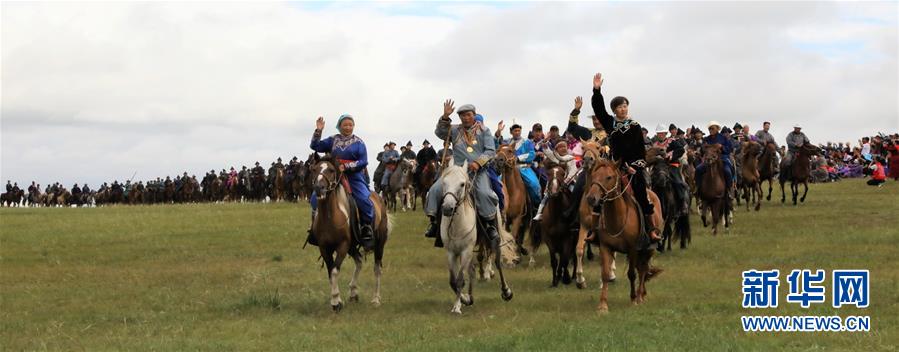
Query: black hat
x=514 y=127
x=537 y=127
x=738 y=126
x=671 y=126
x=680 y=131
x=387 y=144
x=726 y=130
x=409 y=143
x=426 y=142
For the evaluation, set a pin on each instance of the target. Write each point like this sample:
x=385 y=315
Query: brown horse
x=689 y=171
x=768 y=167
x=712 y=191
x=518 y=205
x=425 y=180
x=751 y=185
x=13 y=198
x=620 y=229
x=799 y=172
x=332 y=227
x=557 y=234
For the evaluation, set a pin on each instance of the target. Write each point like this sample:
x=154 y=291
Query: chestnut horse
x=620 y=229
x=518 y=205
x=425 y=180
x=332 y=228
x=749 y=170
x=593 y=153
x=768 y=167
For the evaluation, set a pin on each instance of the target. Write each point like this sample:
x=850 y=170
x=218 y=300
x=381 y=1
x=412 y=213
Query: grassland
x=232 y=277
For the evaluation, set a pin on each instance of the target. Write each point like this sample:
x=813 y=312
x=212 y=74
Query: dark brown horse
x=13 y=198
x=677 y=220
x=712 y=191
x=768 y=166
x=425 y=180
x=556 y=232
x=332 y=228
x=799 y=172
x=751 y=185
x=620 y=229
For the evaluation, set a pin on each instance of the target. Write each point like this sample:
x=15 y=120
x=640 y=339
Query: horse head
x=556 y=179
x=592 y=153
x=711 y=153
x=505 y=157
x=328 y=176
x=605 y=182
x=456 y=186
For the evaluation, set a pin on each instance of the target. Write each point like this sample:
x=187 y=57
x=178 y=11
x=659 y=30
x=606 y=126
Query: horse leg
x=565 y=261
x=632 y=276
x=794 y=186
x=579 y=258
x=466 y=265
x=642 y=272
x=804 y=193
x=769 y=188
x=354 y=282
x=454 y=273
x=783 y=194
x=554 y=264
x=606 y=259
x=505 y=290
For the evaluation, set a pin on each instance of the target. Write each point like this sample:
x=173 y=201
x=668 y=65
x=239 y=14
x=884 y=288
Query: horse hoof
x=376 y=302
x=468 y=301
x=507 y=295
x=337 y=307
x=581 y=285
x=456 y=311
x=602 y=309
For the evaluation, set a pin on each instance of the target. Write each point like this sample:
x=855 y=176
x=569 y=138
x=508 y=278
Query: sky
x=94 y=92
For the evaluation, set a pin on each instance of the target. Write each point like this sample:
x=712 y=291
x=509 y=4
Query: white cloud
x=97 y=91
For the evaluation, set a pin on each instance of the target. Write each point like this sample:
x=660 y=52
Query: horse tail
x=536 y=237
x=682 y=228
x=507 y=245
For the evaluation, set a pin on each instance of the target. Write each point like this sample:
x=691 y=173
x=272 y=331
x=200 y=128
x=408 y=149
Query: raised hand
x=578 y=103
x=448 y=108
x=320 y=123
x=597 y=81
x=500 y=126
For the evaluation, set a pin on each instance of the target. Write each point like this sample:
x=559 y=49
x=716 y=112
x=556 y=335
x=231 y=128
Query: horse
x=459 y=232
x=676 y=219
x=751 y=185
x=278 y=185
x=768 y=167
x=799 y=172
x=620 y=229
x=712 y=191
x=689 y=173
x=426 y=179
x=332 y=226
x=558 y=235
x=400 y=184
x=12 y=198
x=518 y=204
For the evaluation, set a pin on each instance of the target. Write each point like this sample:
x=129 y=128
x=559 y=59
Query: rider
x=627 y=144
x=349 y=150
x=524 y=155
x=597 y=134
x=390 y=158
x=473 y=147
x=561 y=157
x=675 y=148
x=795 y=140
x=425 y=155
x=408 y=154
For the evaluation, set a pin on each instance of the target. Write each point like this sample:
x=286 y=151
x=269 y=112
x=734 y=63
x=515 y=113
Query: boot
x=367 y=237
x=310 y=237
x=490 y=229
x=438 y=242
x=433 y=227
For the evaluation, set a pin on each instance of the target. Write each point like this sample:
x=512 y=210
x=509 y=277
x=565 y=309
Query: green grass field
x=232 y=277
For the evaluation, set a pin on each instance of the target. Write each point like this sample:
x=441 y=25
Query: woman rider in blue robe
x=352 y=157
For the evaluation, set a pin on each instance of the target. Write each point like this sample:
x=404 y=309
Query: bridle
x=613 y=193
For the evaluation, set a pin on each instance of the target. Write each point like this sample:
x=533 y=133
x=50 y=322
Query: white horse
x=458 y=230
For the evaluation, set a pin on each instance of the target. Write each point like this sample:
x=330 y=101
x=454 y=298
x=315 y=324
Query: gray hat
x=464 y=108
